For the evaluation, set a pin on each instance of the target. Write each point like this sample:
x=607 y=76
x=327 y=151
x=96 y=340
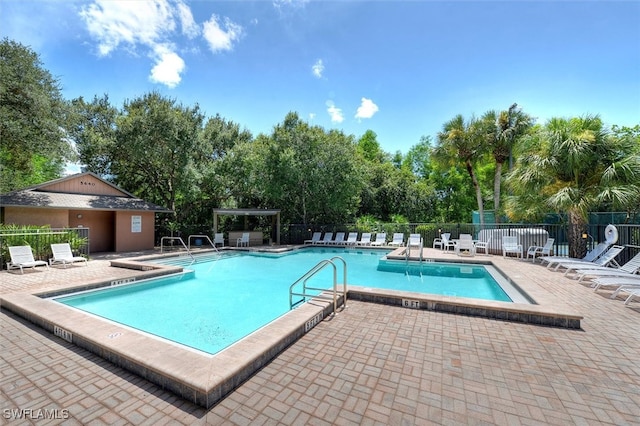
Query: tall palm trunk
x=497 y=181
x=476 y=186
x=577 y=226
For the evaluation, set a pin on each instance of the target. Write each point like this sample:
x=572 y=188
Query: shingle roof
x=39 y=196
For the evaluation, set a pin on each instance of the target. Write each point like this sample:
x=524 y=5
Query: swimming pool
x=224 y=299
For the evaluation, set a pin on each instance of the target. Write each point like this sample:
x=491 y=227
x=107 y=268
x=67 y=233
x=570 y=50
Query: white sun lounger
x=352 y=239
x=326 y=238
x=603 y=260
x=62 y=254
x=615 y=282
x=589 y=257
x=381 y=239
x=628 y=269
x=398 y=239
x=338 y=240
x=22 y=257
x=314 y=238
x=365 y=239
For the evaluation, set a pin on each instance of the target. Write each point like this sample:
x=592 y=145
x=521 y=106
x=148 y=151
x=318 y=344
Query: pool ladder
x=335 y=294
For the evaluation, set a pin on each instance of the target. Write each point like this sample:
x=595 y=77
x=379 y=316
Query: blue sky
x=399 y=68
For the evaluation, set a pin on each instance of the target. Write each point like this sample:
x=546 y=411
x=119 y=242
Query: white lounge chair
x=510 y=245
x=589 y=257
x=62 y=254
x=398 y=239
x=483 y=245
x=381 y=239
x=365 y=239
x=218 y=238
x=22 y=257
x=243 y=241
x=352 y=239
x=540 y=250
x=603 y=260
x=630 y=268
x=338 y=240
x=326 y=238
x=465 y=244
x=314 y=238
x=615 y=282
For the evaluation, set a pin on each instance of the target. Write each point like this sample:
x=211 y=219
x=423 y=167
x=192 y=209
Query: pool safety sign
x=136 y=224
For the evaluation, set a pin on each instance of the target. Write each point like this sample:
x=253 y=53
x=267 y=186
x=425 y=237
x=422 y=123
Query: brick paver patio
x=371 y=364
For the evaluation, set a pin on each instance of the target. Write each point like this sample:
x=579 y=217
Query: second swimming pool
x=223 y=300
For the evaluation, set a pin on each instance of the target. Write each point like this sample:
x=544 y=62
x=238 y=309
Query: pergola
x=275 y=220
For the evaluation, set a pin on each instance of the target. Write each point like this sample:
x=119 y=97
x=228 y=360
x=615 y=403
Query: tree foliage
x=32 y=118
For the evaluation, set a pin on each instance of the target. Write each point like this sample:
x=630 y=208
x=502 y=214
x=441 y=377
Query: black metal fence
x=528 y=234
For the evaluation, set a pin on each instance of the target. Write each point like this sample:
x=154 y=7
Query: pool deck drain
x=595 y=386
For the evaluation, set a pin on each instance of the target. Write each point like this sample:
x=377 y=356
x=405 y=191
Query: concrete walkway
x=371 y=364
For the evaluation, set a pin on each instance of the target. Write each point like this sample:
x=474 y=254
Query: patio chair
x=590 y=256
x=465 y=244
x=314 y=238
x=218 y=239
x=326 y=238
x=510 y=245
x=483 y=245
x=540 y=250
x=62 y=254
x=352 y=239
x=338 y=240
x=381 y=239
x=243 y=241
x=398 y=239
x=630 y=268
x=604 y=260
x=22 y=257
x=440 y=242
x=615 y=282
x=365 y=239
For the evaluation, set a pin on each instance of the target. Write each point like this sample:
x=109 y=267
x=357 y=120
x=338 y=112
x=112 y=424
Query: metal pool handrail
x=181 y=242
x=313 y=271
x=202 y=236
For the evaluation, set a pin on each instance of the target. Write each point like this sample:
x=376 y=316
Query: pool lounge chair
x=381 y=239
x=465 y=244
x=314 y=238
x=352 y=239
x=218 y=238
x=483 y=245
x=615 y=283
x=590 y=256
x=338 y=240
x=604 y=260
x=326 y=238
x=365 y=239
x=243 y=241
x=398 y=239
x=22 y=257
x=630 y=268
x=540 y=250
x=62 y=254
x=510 y=245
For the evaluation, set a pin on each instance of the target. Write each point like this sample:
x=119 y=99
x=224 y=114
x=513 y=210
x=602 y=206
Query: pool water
x=224 y=300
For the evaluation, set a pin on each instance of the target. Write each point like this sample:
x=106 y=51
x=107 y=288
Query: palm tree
x=462 y=141
x=573 y=166
x=503 y=131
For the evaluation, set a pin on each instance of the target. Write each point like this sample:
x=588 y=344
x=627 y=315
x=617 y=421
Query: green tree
x=573 y=166
x=156 y=140
x=33 y=147
x=503 y=131
x=309 y=173
x=462 y=141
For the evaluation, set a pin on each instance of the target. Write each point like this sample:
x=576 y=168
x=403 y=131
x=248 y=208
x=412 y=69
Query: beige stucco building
x=117 y=220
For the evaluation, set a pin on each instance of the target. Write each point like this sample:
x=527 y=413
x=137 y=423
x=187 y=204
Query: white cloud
x=168 y=68
x=335 y=113
x=366 y=109
x=312 y=116
x=152 y=26
x=318 y=68
x=221 y=37
x=189 y=26
x=113 y=23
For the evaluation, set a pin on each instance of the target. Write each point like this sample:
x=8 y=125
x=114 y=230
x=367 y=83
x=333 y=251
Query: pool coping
x=205 y=379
